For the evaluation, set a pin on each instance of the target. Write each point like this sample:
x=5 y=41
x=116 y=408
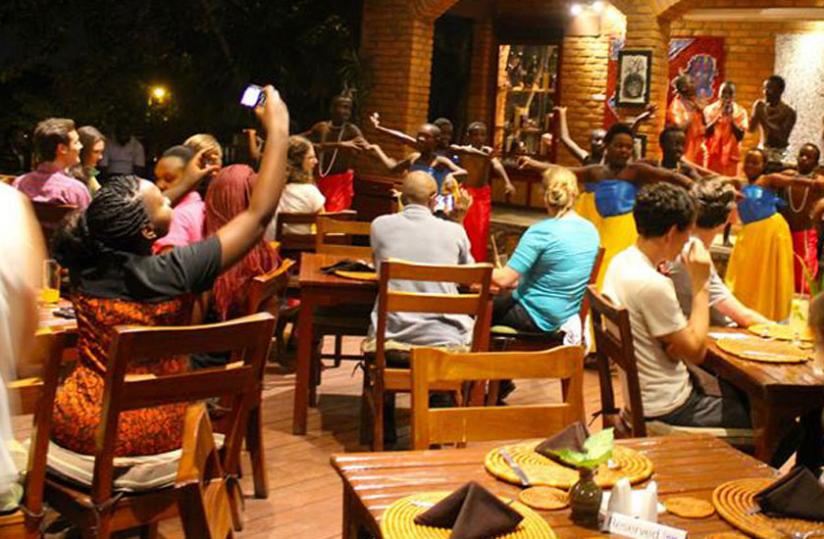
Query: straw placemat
x=735 y=501
x=398 y=522
x=781 y=332
x=357 y=275
x=757 y=349
x=543 y=471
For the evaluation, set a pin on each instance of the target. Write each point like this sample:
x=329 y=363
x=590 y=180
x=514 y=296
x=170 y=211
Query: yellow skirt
x=585 y=207
x=760 y=270
x=617 y=234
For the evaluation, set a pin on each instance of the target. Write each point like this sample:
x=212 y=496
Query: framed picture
x=639 y=146
x=633 y=77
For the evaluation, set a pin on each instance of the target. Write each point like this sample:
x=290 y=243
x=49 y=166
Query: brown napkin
x=572 y=437
x=473 y=513
x=798 y=495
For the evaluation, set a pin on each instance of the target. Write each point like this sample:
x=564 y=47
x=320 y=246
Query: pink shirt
x=52 y=186
x=188 y=220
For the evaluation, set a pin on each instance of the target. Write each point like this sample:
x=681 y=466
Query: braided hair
x=113 y=221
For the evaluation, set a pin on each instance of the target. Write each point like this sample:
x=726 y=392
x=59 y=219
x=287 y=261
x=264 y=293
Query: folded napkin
x=572 y=437
x=473 y=513
x=348 y=265
x=797 y=495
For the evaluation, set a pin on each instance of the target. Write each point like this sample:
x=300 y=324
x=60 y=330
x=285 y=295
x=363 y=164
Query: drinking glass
x=798 y=316
x=50 y=291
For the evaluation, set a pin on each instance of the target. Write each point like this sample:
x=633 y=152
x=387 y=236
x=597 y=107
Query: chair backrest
x=290 y=242
x=246 y=338
x=474 y=303
x=593 y=278
x=613 y=343
x=50 y=216
x=267 y=287
x=334 y=237
x=480 y=423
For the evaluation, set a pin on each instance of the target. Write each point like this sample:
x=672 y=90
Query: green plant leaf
x=598 y=450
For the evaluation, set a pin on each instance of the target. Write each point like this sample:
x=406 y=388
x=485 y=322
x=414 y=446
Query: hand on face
x=698 y=263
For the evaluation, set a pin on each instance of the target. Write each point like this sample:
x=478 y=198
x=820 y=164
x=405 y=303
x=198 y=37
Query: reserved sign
x=641 y=529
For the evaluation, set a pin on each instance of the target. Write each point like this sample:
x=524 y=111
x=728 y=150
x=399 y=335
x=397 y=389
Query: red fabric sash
x=805 y=246
x=339 y=190
x=476 y=222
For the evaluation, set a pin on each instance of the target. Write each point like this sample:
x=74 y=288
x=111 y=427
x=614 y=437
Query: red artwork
x=616 y=43
x=703 y=59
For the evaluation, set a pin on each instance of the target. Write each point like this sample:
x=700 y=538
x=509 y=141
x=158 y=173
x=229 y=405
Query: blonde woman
x=301 y=194
x=549 y=270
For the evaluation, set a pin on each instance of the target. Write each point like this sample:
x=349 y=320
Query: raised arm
x=648 y=113
x=195 y=171
x=245 y=230
x=392 y=165
x=409 y=140
x=499 y=170
x=579 y=153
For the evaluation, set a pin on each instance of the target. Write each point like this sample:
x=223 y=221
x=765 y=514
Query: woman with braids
x=116 y=280
x=550 y=268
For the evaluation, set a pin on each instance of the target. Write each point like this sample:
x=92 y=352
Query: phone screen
x=252 y=96
x=444 y=203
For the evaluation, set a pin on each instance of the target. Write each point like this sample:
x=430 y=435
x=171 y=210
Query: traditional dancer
x=776 y=120
x=596 y=136
x=615 y=184
x=726 y=124
x=337 y=141
x=685 y=112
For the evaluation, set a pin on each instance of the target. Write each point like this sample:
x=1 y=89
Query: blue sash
x=759 y=203
x=438 y=173
x=614 y=197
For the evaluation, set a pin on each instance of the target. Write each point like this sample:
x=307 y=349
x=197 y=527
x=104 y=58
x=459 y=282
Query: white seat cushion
x=736 y=437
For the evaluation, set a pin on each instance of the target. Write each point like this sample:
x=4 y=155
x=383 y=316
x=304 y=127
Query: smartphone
x=444 y=203
x=252 y=96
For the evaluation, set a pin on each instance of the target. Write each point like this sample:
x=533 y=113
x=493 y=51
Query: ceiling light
x=576 y=9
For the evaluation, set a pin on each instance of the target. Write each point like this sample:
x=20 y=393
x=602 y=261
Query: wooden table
x=320 y=290
x=684 y=466
x=48 y=322
x=778 y=394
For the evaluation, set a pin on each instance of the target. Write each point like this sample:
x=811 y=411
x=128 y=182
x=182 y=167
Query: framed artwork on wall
x=639 y=146
x=634 y=72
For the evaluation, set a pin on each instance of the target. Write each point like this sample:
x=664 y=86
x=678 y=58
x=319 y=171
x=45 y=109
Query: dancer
x=726 y=124
x=596 y=136
x=614 y=185
x=776 y=120
x=685 y=112
x=337 y=141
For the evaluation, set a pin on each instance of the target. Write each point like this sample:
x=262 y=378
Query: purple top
x=52 y=186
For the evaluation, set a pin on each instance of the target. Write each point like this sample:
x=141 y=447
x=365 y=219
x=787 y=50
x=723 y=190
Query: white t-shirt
x=123 y=159
x=297 y=198
x=633 y=282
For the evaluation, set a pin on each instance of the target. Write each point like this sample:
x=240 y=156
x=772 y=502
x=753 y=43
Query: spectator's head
x=205 y=141
x=228 y=195
x=447 y=129
x=301 y=160
x=619 y=144
x=808 y=157
x=127 y=214
x=685 y=86
x=476 y=132
x=560 y=190
x=57 y=141
x=774 y=88
x=419 y=188
x=672 y=141
x=665 y=213
x=755 y=161
x=427 y=137
x=94 y=143
x=170 y=166
x=714 y=202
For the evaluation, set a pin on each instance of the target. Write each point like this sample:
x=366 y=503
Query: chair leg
x=314 y=373
x=377 y=419
x=338 y=349
x=254 y=444
x=366 y=414
x=280 y=340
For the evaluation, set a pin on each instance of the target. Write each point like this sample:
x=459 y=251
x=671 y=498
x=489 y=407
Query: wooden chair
x=505 y=338
x=264 y=292
x=50 y=216
x=98 y=510
x=290 y=244
x=35 y=396
x=381 y=381
x=342 y=232
x=613 y=343
x=432 y=367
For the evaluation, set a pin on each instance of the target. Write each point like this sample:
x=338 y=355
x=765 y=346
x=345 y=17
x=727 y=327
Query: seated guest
x=714 y=202
x=57 y=146
x=170 y=166
x=116 y=280
x=19 y=288
x=416 y=235
x=205 y=141
x=94 y=144
x=300 y=195
x=664 y=339
x=186 y=228
x=551 y=266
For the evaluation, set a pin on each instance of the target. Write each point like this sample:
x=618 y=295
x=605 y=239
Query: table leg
x=811 y=453
x=303 y=367
x=767 y=430
x=350 y=530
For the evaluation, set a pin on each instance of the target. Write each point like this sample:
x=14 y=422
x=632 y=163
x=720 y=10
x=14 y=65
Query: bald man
x=416 y=235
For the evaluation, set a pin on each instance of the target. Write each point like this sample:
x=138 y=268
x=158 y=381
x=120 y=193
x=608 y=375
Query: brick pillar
x=481 y=104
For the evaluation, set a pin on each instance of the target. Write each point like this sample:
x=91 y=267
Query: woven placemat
x=543 y=471
x=357 y=275
x=781 y=332
x=735 y=500
x=757 y=349
x=398 y=522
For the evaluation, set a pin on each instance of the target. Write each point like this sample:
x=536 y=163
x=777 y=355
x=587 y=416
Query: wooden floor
x=305 y=493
